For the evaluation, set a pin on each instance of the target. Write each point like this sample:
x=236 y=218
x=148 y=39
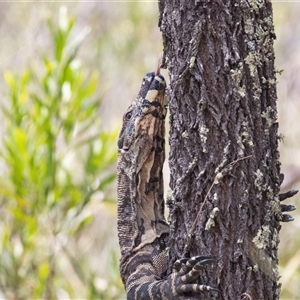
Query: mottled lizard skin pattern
x=142 y=228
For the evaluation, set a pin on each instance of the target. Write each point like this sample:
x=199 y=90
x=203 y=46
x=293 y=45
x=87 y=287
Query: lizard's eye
x=128 y=116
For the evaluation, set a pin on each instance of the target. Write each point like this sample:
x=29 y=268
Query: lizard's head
x=139 y=119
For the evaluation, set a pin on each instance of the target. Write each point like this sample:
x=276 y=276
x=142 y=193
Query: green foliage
x=55 y=158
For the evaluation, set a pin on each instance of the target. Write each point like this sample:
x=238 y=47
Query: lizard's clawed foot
x=284 y=207
x=187 y=270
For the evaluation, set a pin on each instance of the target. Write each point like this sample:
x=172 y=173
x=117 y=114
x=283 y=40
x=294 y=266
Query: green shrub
x=55 y=158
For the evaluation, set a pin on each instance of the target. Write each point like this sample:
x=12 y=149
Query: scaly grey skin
x=142 y=228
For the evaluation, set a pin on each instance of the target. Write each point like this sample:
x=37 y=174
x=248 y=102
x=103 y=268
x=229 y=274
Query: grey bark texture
x=224 y=143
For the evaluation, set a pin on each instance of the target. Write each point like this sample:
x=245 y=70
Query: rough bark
x=223 y=138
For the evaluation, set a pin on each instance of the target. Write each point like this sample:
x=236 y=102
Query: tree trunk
x=224 y=143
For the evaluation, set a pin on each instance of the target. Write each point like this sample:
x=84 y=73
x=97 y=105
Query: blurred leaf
x=9 y=78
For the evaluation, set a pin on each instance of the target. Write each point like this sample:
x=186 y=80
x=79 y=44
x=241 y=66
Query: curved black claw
x=288 y=194
x=286 y=218
x=201 y=259
x=285 y=207
x=281 y=177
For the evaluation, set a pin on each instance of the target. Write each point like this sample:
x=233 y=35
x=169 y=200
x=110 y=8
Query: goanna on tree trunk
x=224 y=144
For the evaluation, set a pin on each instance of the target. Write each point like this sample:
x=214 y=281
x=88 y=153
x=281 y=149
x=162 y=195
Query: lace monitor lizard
x=142 y=228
